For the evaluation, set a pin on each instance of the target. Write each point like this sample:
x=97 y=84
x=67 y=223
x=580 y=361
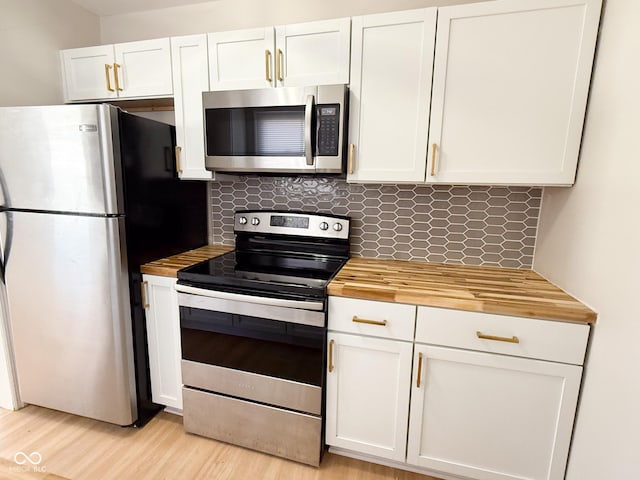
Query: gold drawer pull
x=331 y=355
x=419 y=370
x=434 y=150
x=107 y=68
x=145 y=301
x=267 y=65
x=178 y=159
x=352 y=149
x=115 y=76
x=513 y=339
x=382 y=323
x=279 y=66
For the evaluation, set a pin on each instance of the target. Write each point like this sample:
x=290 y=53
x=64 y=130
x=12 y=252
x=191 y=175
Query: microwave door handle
x=308 y=116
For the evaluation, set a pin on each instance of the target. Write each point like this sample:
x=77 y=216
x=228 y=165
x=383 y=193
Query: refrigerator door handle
x=168 y=159
x=5 y=249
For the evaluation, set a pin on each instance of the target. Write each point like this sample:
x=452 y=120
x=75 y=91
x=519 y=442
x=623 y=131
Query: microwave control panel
x=328 y=135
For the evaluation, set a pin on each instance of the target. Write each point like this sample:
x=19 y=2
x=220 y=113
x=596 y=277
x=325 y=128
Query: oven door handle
x=273 y=302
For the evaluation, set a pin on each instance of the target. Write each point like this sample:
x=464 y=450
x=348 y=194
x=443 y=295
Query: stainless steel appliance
x=253 y=333
x=276 y=130
x=89 y=193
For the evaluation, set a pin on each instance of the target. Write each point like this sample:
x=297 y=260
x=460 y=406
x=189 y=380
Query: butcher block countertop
x=506 y=291
x=168 y=267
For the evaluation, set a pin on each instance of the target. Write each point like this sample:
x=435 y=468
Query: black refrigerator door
x=164 y=216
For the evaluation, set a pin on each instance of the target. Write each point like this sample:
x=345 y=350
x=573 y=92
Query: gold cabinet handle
x=513 y=339
x=145 y=301
x=178 y=159
x=419 y=370
x=279 y=66
x=267 y=65
x=434 y=150
x=382 y=323
x=352 y=151
x=331 y=355
x=107 y=69
x=116 y=66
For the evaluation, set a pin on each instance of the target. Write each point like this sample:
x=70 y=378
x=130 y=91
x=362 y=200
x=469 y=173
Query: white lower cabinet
x=160 y=301
x=368 y=394
x=489 y=416
x=492 y=397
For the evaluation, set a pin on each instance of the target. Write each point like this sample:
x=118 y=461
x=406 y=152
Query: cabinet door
x=368 y=394
x=190 y=78
x=510 y=86
x=391 y=64
x=314 y=53
x=484 y=416
x=88 y=73
x=242 y=59
x=163 y=337
x=143 y=69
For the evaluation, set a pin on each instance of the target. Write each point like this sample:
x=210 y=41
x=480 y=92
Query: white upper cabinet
x=190 y=79
x=241 y=59
x=315 y=53
x=391 y=67
x=88 y=73
x=510 y=86
x=125 y=70
x=145 y=68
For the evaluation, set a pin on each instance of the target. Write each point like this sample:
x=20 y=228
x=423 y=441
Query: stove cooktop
x=267 y=274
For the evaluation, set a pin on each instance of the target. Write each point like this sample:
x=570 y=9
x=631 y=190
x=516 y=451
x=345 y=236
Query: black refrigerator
x=88 y=194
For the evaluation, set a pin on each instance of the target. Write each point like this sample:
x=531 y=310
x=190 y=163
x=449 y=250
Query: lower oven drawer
x=252 y=386
x=291 y=435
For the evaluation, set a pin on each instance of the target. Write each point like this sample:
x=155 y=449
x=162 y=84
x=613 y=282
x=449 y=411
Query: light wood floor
x=80 y=448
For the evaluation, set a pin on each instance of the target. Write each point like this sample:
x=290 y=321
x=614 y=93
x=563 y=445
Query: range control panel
x=292 y=223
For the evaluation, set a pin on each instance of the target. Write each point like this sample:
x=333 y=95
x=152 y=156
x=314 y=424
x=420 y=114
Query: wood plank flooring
x=79 y=448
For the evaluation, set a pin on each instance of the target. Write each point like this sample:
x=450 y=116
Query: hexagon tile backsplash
x=473 y=225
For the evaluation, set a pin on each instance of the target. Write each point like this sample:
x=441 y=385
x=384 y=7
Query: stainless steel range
x=253 y=333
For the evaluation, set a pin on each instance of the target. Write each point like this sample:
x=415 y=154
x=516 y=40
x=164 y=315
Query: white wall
x=31 y=33
x=224 y=15
x=589 y=244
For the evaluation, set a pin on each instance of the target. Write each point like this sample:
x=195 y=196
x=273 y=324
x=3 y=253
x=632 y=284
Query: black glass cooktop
x=269 y=274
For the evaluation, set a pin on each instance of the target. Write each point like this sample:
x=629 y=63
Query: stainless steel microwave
x=276 y=130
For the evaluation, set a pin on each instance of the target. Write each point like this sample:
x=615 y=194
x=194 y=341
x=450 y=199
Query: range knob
x=324 y=226
x=242 y=220
x=255 y=221
x=337 y=227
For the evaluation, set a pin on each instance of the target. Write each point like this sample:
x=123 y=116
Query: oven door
x=275 y=130
x=237 y=348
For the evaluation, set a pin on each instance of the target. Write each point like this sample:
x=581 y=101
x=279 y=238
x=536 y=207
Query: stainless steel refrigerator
x=88 y=194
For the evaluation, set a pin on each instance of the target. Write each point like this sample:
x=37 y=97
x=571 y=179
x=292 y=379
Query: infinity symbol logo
x=21 y=458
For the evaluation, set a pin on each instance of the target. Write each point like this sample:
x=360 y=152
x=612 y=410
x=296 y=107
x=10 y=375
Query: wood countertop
x=169 y=266
x=505 y=291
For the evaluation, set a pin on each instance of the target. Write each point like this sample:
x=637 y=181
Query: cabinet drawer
x=523 y=337
x=367 y=317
